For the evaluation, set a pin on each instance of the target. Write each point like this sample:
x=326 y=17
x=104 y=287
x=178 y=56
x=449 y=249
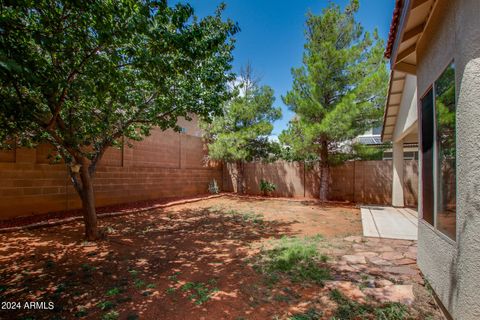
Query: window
x=427 y=138
x=438 y=150
x=446 y=152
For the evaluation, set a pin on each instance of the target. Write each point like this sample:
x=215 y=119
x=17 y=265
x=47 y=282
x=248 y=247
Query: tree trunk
x=324 y=177
x=88 y=203
x=240 y=177
x=324 y=171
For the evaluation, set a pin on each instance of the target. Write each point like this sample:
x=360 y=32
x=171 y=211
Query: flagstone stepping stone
x=413 y=249
x=391 y=255
x=418 y=279
x=359 y=267
x=354 y=259
x=336 y=252
x=345 y=268
x=375 y=271
x=358 y=246
x=347 y=288
x=327 y=303
x=403 y=242
x=384 y=248
x=353 y=239
x=405 y=261
x=394 y=293
x=404 y=270
x=379 y=261
x=380 y=283
x=367 y=254
x=411 y=255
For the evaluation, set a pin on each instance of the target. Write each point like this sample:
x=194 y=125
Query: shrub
x=351 y=310
x=392 y=311
x=246 y=217
x=298 y=258
x=113 y=292
x=267 y=187
x=105 y=305
x=200 y=292
x=310 y=314
x=213 y=187
x=112 y=315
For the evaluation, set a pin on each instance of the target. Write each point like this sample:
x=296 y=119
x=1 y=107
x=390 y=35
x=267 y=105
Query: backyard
x=221 y=258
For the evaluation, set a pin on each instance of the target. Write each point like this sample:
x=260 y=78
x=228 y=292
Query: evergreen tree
x=339 y=92
x=241 y=133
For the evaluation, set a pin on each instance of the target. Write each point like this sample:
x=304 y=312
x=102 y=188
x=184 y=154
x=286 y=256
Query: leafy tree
x=339 y=91
x=367 y=152
x=241 y=133
x=82 y=74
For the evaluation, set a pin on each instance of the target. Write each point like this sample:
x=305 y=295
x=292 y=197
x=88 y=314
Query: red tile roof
x=397 y=12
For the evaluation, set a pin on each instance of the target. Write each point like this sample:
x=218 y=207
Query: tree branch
x=71 y=77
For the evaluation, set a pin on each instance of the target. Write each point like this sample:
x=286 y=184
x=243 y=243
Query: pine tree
x=339 y=92
x=241 y=133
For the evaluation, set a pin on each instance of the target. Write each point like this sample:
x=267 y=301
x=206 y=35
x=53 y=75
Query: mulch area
x=65 y=214
x=53 y=218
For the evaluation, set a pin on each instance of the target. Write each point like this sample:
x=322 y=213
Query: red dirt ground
x=60 y=215
x=145 y=259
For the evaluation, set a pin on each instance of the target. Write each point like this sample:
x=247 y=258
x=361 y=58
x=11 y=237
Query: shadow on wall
x=410 y=183
x=165 y=164
x=287 y=176
x=373 y=182
x=368 y=182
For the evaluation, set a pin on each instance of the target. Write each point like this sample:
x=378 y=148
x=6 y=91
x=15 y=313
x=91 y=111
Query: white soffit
x=405 y=60
x=395 y=91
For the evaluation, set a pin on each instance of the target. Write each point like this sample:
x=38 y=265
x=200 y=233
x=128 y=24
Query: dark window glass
x=446 y=152
x=427 y=135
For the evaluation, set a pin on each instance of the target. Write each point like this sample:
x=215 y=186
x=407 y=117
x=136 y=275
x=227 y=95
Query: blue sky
x=272 y=36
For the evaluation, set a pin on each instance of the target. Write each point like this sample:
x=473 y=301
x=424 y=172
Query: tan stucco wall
x=407 y=114
x=453 y=268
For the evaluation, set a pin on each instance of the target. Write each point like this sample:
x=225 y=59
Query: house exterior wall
x=407 y=114
x=453 y=268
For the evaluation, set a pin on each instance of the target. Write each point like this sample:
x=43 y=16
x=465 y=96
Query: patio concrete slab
x=389 y=222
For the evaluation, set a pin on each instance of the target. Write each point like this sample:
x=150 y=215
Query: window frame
x=432 y=87
x=420 y=153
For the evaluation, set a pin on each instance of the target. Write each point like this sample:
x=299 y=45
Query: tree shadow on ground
x=140 y=268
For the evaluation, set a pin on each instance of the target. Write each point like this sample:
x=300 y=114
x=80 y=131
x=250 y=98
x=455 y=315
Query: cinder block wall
x=368 y=182
x=166 y=164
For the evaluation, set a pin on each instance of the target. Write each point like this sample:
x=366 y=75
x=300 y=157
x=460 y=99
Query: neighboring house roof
x=409 y=21
x=369 y=140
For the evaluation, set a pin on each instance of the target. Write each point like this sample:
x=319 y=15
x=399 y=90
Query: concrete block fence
x=170 y=164
x=166 y=164
x=363 y=182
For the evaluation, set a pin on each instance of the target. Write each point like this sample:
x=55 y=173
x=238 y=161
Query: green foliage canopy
x=339 y=92
x=241 y=134
x=82 y=74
